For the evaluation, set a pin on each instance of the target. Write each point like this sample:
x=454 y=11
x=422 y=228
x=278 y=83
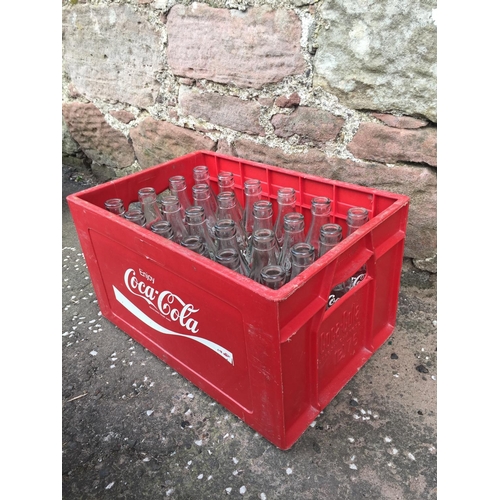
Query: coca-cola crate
x=274 y=358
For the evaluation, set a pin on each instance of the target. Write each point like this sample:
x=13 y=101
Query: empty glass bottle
x=356 y=217
x=196 y=244
x=302 y=256
x=227 y=209
x=253 y=193
x=320 y=210
x=171 y=211
x=226 y=183
x=264 y=251
x=201 y=198
x=115 y=206
x=262 y=215
x=163 y=228
x=177 y=185
x=273 y=276
x=136 y=216
x=230 y=258
x=201 y=175
x=286 y=204
x=196 y=224
x=225 y=237
x=330 y=235
x=293 y=233
x=149 y=206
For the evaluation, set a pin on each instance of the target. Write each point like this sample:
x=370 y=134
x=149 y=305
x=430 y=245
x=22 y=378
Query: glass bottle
x=273 y=276
x=163 y=228
x=253 y=193
x=149 y=206
x=196 y=224
x=196 y=244
x=329 y=236
x=225 y=237
x=356 y=217
x=201 y=198
x=293 y=233
x=115 y=206
x=286 y=204
x=136 y=216
x=171 y=211
x=262 y=216
x=302 y=256
x=230 y=258
x=226 y=183
x=264 y=251
x=227 y=209
x=320 y=210
x=177 y=185
x=201 y=175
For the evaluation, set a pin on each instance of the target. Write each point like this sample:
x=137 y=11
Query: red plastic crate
x=274 y=358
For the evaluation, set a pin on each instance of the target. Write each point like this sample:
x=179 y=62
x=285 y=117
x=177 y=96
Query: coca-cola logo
x=168 y=304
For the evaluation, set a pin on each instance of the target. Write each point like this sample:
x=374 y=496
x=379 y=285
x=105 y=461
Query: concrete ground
x=132 y=428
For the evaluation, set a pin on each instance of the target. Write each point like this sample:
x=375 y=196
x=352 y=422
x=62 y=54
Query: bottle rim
x=177 y=182
x=286 y=196
x=302 y=249
x=357 y=215
x=273 y=272
x=147 y=193
x=330 y=229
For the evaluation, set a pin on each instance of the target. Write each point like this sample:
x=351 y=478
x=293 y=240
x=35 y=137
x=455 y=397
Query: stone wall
x=343 y=89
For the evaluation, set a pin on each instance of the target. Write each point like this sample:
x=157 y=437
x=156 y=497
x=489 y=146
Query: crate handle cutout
x=221 y=351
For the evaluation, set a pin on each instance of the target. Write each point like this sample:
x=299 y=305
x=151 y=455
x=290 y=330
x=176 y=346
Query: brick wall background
x=343 y=89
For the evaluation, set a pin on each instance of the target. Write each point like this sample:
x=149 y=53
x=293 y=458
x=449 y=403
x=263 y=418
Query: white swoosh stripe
x=227 y=355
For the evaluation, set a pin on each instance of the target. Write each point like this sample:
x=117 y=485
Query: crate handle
x=352 y=259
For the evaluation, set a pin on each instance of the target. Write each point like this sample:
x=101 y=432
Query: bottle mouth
x=201 y=191
x=302 y=250
x=252 y=186
x=115 y=205
x=162 y=227
x=226 y=179
x=263 y=239
x=227 y=255
x=331 y=230
x=262 y=208
x=177 y=182
x=170 y=204
x=226 y=199
x=200 y=172
x=193 y=242
x=147 y=194
x=273 y=273
x=357 y=216
x=320 y=205
x=286 y=196
x=224 y=228
x=293 y=221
